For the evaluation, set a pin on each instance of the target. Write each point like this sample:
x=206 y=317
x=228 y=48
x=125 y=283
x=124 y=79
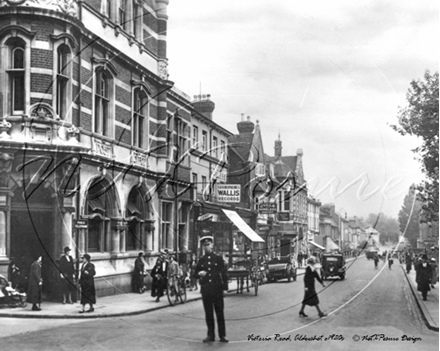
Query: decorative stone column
x=2 y=233
x=116 y=237
x=66 y=228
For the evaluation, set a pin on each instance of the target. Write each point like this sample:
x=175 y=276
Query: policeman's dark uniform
x=212 y=286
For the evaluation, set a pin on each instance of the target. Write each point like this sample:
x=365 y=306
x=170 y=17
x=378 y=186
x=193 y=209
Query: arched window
x=63 y=70
x=103 y=113
x=16 y=73
x=135 y=208
x=140 y=120
x=99 y=210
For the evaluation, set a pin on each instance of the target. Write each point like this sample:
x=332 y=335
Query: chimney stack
x=245 y=127
x=203 y=105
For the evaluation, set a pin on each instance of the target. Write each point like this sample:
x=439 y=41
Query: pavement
x=429 y=308
x=135 y=303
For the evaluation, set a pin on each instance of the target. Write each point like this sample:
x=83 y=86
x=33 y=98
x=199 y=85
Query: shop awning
x=242 y=226
x=317 y=245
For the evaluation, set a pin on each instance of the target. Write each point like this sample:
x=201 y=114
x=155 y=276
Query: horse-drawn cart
x=244 y=271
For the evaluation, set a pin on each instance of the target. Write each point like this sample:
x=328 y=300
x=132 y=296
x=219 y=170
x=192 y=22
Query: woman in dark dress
x=138 y=274
x=35 y=285
x=87 y=283
x=158 y=284
x=310 y=296
x=67 y=272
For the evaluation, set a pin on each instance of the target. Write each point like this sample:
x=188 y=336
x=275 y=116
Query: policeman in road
x=211 y=272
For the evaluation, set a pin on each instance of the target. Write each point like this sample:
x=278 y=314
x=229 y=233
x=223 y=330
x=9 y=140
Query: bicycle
x=171 y=291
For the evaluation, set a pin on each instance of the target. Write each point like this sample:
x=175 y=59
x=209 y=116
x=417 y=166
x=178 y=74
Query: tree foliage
x=420 y=118
x=408 y=219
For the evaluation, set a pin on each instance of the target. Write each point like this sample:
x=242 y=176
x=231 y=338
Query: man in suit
x=212 y=275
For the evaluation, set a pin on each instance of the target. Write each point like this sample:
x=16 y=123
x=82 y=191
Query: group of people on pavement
x=426 y=272
x=33 y=285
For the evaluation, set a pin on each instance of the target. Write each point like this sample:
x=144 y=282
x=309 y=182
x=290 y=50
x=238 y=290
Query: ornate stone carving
x=6 y=160
x=42 y=111
x=139 y=159
x=68 y=7
x=73 y=133
x=4 y=129
x=162 y=69
x=102 y=148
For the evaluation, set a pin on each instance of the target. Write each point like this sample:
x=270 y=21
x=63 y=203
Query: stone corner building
x=91 y=129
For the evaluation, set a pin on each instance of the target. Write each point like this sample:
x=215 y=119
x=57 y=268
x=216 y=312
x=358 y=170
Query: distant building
x=290 y=190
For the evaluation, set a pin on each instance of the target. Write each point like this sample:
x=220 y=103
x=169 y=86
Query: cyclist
x=173 y=275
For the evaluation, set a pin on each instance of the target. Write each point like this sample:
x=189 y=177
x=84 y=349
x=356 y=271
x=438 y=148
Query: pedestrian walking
x=87 y=283
x=424 y=276
x=434 y=267
x=138 y=274
x=213 y=277
x=67 y=272
x=310 y=295
x=193 y=265
x=35 y=285
x=390 y=260
x=173 y=275
x=408 y=263
x=376 y=260
x=158 y=284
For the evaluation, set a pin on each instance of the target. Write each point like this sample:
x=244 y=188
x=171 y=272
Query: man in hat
x=424 y=276
x=213 y=279
x=67 y=271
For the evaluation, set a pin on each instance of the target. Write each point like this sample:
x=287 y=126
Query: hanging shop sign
x=283 y=216
x=228 y=192
x=213 y=217
x=267 y=208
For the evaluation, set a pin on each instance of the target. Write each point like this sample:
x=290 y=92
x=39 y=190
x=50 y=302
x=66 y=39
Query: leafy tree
x=420 y=118
x=408 y=219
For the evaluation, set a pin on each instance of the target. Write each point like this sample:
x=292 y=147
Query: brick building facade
x=92 y=129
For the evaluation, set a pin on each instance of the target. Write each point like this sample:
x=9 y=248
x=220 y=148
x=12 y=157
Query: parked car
x=281 y=268
x=333 y=265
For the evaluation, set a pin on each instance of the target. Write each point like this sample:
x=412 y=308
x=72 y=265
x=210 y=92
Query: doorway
x=32 y=235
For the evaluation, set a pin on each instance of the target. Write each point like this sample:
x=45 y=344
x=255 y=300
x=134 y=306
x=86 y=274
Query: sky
x=327 y=76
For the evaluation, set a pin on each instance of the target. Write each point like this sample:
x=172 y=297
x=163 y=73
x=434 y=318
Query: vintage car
x=332 y=265
x=281 y=268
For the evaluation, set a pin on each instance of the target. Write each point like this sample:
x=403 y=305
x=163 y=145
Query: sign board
x=228 y=192
x=206 y=216
x=283 y=216
x=82 y=224
x=267 y=208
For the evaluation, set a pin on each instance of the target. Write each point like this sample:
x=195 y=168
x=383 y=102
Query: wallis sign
x=228 y=192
